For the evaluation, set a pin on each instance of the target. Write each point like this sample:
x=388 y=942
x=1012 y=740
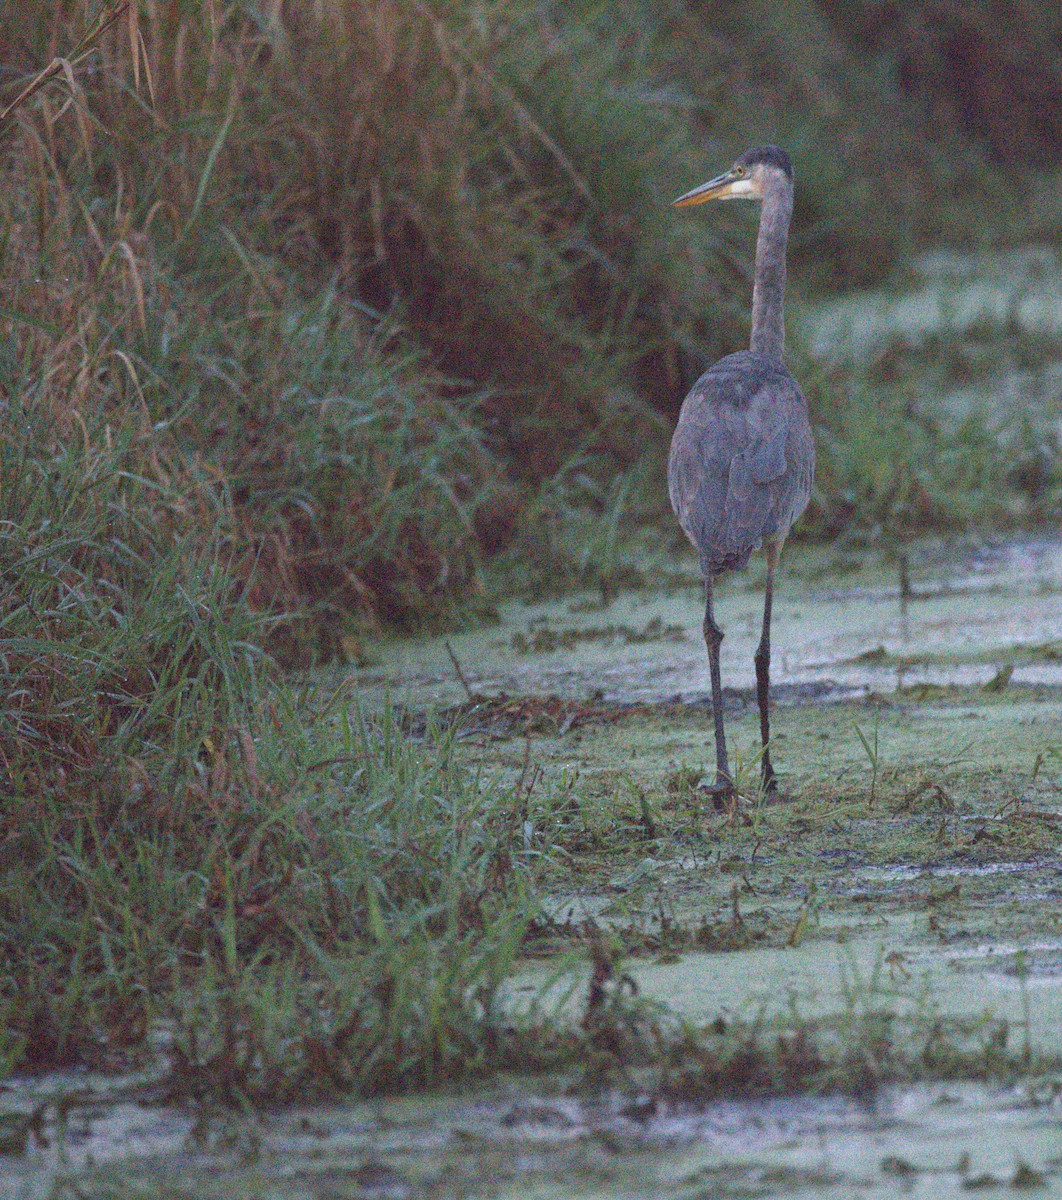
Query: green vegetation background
x=319 y=320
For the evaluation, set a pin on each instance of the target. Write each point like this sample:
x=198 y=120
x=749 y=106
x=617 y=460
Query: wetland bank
x=352 y=686
x=857 y=990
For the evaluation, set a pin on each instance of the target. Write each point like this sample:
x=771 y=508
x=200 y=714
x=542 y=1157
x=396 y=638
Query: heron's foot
x=721 y=792
x=724 y=797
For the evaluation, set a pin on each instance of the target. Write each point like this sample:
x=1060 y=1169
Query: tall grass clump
x=512 y=202
x=315 y=906
x=345 y=471
x=305 y=898
x=215 y=433
x=127 y=655
x=440 y=231
x=121 y=637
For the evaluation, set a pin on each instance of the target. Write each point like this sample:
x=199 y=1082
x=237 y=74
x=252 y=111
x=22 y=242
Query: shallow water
x=858 y=910
x=834 y=635
x=517 y=1140
x=952 y=295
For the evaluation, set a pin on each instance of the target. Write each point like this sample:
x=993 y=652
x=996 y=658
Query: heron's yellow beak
x=727 y=186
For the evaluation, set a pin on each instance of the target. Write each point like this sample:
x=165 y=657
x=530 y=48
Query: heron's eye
x=741 y=170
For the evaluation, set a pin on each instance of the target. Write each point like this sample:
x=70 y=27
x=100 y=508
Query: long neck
x=768 y=288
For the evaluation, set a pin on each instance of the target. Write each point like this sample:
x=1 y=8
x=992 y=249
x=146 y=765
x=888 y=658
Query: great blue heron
x=742 y=457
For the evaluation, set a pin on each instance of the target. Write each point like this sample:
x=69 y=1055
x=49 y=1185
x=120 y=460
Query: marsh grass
x=334 y=911
x=892 y=464
x=886 y=1030
x=302 y=896
x=372 y=272
x=121 y=635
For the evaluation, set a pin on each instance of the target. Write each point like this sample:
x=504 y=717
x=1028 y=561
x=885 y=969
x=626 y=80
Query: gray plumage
x=742 y=456
x=742 y=460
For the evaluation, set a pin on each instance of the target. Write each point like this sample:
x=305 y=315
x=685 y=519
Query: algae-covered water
x=915 y=870
x=839 y=631
x=920 y=751
x=511 y=1141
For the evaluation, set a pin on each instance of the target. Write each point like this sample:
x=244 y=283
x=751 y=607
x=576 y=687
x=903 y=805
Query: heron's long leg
x=713 y=639
x=762 y=660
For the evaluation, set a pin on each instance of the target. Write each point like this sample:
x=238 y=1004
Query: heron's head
x=748 y=179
